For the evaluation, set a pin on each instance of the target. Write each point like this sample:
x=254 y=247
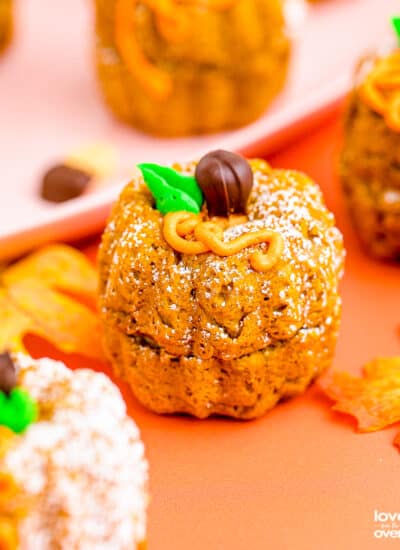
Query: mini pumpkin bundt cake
x=190 y=67
x=224 y=305
x=72 y=468
x=6 y=23
x=370 y=160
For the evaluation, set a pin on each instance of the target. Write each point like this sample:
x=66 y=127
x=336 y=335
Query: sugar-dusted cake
x=72 y=468
x=219 y=286
x=370 y=160
x=190 y=67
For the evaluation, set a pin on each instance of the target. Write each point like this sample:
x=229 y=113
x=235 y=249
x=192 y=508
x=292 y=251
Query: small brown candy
x=62 y=183
x=8 y=373
x=226 y=180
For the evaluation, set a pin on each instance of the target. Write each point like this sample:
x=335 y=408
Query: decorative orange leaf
x=14 y=324
x=59 y=267
x=36 y=296
x=374 y=399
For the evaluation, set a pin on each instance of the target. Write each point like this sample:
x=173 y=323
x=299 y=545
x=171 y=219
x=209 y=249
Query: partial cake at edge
x=79 y=470
x=370 y=159
x=6 y=23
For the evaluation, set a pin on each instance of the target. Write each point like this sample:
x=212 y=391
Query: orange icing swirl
x=208 y=236
x=381 y=90
x=172 y=23
x=176 y=238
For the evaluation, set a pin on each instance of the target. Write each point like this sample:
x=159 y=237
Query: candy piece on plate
x=78 y=172
x=99 y=159
x=373 y=399
x=62 y=183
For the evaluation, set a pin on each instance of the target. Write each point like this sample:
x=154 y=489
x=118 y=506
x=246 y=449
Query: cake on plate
x=192 y=67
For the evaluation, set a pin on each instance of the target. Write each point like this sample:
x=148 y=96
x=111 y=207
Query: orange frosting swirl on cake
x=209 y=236
x=381 y=90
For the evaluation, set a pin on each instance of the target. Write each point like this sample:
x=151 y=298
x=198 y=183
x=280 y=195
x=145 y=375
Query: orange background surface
x=300 y=478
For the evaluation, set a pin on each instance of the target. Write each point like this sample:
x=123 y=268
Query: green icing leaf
x=17 y=410
x=187 y=184
x=396 y=26
x=171 y=190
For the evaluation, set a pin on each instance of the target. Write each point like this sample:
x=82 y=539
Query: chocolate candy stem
x=226 y=180
x=8 y=373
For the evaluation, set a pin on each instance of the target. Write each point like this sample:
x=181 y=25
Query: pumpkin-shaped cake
x=72 y=468
x=6 y=22
x=189 y=67
x=370 y=161
x=222 y=307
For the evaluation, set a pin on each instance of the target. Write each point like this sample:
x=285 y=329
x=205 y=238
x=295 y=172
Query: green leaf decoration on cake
x=171 y=190
x=17 y=410
x=396 y=26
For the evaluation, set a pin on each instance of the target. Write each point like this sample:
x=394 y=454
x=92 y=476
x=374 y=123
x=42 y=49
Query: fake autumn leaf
x=52 y=294
x=374 y=399
x=57 y=266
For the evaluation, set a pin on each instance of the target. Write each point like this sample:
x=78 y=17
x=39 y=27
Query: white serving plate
x=50 y=104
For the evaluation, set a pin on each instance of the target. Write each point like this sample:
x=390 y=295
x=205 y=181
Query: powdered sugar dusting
x=217 y=306
x=83 y=462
